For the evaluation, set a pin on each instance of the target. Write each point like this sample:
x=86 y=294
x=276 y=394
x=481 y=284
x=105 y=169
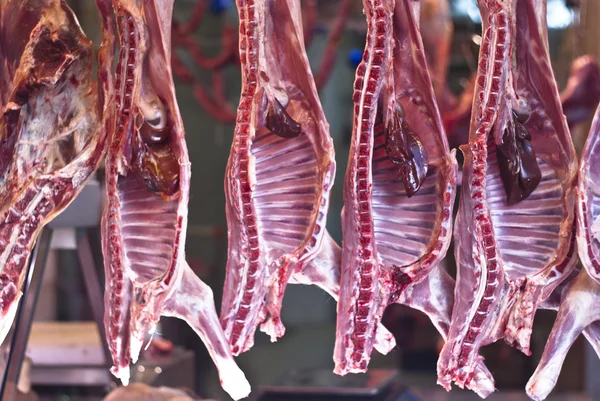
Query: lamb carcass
x=514 y=237
x=148 y=178
x=574 y=315
x=49 y=136
x=399 y=189
x=279 y=176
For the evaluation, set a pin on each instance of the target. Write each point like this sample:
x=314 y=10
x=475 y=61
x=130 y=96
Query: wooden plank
x=65 y=343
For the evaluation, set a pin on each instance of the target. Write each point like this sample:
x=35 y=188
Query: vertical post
x=93 y=288
x=24 y=317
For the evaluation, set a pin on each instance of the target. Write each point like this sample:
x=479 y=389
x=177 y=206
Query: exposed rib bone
x=148 y=177
x=278 y=181
x=574 y=313
x=399 y=191
x=504 y=275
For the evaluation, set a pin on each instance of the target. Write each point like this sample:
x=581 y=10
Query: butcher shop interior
x=277 y=200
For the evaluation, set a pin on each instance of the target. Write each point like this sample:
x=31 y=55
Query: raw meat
x=573 y=319
x=582 y=93
x=399 y=190
x=148 y=178
x=49 y=137
x=278 y=179
x=514 y=237
x=579 y=100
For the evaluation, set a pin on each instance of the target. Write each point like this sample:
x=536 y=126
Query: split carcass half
x=148 y=178
x=279 y=176
x=49 y=136
x=399 y=189
x=576 y=313
x=514 y=233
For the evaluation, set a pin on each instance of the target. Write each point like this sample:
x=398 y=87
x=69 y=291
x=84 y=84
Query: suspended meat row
x=527 y=207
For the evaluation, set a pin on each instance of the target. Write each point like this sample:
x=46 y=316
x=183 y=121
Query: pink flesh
x=579 y=100
x=144 y=232
x=572 y=318
x=502 y=279
x=277 y=189
x=571 y=321
x=391 y=241
x=51 y=145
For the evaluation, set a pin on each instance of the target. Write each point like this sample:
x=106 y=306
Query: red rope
x=216 y=103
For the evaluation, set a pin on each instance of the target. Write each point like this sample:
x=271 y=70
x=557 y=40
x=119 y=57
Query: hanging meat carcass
x=148 y=178
x=50 y=141
x=574 y=315
x=399 y=190
x=278 y=180
x=514 y=237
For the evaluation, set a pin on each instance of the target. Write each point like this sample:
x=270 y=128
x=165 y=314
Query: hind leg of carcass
x=324 y=272
x=572 y=320
x=434 y=296
x=193 y=302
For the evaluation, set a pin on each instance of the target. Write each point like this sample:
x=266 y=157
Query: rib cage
x=527 y=233
x=285 y=179
x=277 y=189
x=144 y=216
x=510 y=258
x=148 y=176
x=403 y=227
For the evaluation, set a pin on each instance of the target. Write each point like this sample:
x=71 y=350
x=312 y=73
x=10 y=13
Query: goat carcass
x=278 y=179
x=148 y=178
x=399 y=189
x=514 y=236
x=573 y=316
x=49 y=136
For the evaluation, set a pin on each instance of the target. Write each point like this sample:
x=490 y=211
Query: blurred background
x=208 y=87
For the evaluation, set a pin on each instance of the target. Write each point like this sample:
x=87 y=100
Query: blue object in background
x=408 y=396
x=355 y=57
x=218 y=6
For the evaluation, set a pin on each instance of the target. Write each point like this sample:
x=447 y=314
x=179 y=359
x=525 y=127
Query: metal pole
x=24 y=318
x=92 y=286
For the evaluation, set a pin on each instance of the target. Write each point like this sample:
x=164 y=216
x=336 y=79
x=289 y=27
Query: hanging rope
x=213 y=99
